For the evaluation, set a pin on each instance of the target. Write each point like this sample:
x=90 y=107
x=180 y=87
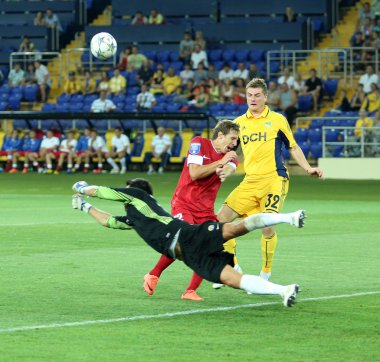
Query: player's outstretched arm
x=300 y=158
x=100 y=192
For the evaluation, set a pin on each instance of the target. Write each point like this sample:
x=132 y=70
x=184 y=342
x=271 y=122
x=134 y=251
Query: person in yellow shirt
x=118 y=83
x=172 y=82
x=265 y=185
x=89 y=83
x=363 y=121
x=371 y=102
x=72 y=85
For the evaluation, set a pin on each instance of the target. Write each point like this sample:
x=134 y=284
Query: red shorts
x=80 y=153
x=4 y=153
x=191 y=217
x=55 y=153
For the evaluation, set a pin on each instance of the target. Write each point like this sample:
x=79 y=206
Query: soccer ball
x=103 y=46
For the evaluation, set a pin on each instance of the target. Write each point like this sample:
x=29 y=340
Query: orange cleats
x=98 y=170
x=191 y=295
x=24 y=170
x=13 y=170
x=150 y=283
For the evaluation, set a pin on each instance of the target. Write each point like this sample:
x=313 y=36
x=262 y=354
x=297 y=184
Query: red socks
x=161 y=265
x=195 y=282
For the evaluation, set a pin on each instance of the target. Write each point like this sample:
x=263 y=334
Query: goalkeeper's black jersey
x=156 y=226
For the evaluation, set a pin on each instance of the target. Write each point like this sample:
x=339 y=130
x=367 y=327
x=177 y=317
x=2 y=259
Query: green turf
x=58 y=266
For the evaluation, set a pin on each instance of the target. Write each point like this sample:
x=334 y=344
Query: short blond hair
x=258 y=83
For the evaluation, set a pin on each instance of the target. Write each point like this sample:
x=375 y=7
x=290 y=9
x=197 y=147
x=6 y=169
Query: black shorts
x=202 y=249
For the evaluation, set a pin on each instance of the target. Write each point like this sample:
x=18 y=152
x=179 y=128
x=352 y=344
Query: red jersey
x=198 y=197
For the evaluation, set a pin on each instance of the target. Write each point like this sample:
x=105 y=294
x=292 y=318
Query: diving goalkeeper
x=200 y=247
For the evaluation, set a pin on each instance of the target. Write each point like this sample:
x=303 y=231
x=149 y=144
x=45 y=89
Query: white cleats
x=298 y=218
x=290 y=294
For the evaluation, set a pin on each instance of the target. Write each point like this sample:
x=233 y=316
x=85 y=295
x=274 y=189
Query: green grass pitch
x=57 y=267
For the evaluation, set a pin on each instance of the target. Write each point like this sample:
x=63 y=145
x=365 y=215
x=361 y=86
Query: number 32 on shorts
x=273 y=202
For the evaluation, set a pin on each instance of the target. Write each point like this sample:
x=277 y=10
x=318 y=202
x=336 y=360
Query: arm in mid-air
x=224 y=171
x=300 y=158
x=101 y=217
x=100 y=192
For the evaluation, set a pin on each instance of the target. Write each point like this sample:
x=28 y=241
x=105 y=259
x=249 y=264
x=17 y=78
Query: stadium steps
x=104 y=18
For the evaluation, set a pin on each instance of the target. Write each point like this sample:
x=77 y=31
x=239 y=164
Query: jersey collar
x=264 y=113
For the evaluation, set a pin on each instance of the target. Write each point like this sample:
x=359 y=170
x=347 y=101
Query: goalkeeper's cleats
x=289 y=295
x=217 y=285
x=298 y=218
x=150 y=283
x=79 y=186
x=191 y=295
x=78 y=203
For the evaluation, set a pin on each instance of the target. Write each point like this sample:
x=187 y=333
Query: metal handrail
x=299 y=120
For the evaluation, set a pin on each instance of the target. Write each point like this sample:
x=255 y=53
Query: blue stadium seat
x=160 y=107
x=163 y=56
x=176 y=145
x=285 y=154
x=173 y=107
x=332 y=135
x=305 y=147
x=337 y=151
x=4 y=97
x=63 y=98
x=256 y=55
x=49 y=107
x=316 y=123
x=243 y=108
x=3 y=106
x=228 y=55
x=174 y=56
x=331 y=86
x=138 y=145
x=14 y=101
x=241 y=55
x=150 y=54
x=20 y=123
x=332 y=123
x=215 y=55
x=230 y=107
x=301 y=135
x=218 y=64
x=316 y=150
x=315 y=135
x=305 y=103
x=30 y=93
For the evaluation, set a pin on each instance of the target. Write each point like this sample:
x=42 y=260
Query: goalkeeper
x=200 y=247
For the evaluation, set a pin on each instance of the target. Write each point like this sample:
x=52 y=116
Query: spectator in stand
x=121 y=148
x=155 y=18
x=241 y=72
x=299 y=83
x=145 y=99
x=372 y=100
x=226 y=73
x=290 y=16
x=273 y=98
x=212 y=73
x=52 y=20
x=161 y=144
x=145 y=73
x=39 y=19
x=12 y=145
x=159 y=66
x=186 y=95
x=201 y=99
x=118 y=83
x=288 y=102
x=30 y=77
x=102 y=104
x=358 y=98
x=66 y=148
x=80 y=151
x=186 y=47
x=43 y=79
x=199 y=39
x=357 y=41
x=89 y=83
x=29 y=150
x=365 y=13
x=139 y=19
x=214 y=91
x=186 y=74
x=96 y=148
x=123 y=58
x=367 y=27
x=26 y=45
x=314 y=86
x=344 y=103
x=136 y=59
x=172 y=82
x=227 y=90
x=198 y=56
x=253 y=72
x=286 y=77
x=240 y=92
x=16 y=76
x=157 y=85
x=363 y=121
x=72 y=85
x=201 y=74
x=49 y=150
x=104 y=84
x=367 y=78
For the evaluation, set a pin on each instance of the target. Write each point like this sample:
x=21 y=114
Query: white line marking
x=173 y=314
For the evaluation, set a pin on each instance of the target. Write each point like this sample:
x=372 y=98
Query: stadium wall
x=351 y=168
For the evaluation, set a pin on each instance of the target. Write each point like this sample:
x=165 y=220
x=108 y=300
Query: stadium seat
x=301 y=135
x=330 y=87
x=305 y=103
x=241 y=55
x=63 y=98
x=332 y=123
x=163 y=56
x=218 y=64
x=332 y=135
x=176 y=145
x=316 y=123
x=228 y=55
x=4 y=97
x=243 y=108
x=30 y=93
x=316 y=150
x=138 y=145
x=150 y=54
x=305 y=147
x=49 y=107
x=14 y=101
x=256 y=55
x=315 y=135
x=285 y=154
x=215 y=55
x=174 y=56
x=230 y=107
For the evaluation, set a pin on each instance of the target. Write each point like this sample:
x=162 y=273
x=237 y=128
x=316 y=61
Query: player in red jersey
x=208 y=164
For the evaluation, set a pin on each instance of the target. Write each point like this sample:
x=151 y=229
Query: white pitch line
x=173 y=314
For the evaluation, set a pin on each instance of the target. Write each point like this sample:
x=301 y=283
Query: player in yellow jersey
x=266 y=182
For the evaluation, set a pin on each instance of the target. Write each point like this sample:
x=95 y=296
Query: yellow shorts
x=252 y=197
x=230 y=246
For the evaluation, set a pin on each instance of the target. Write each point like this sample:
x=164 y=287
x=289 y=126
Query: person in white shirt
x=198 y=56
x=145 y=100
x=121 y=148
x=102 y=104
x=186 y=74
x=241 y=72
x=226 y=73
x=161 y=144
x=66 y=148
x=96 y=148
x=367 y=78
x=43 y=80
x=16 y=75
x=48 y=150
x=286 y=77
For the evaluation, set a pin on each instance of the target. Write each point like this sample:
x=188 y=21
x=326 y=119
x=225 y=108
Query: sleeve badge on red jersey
x=195 y=148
